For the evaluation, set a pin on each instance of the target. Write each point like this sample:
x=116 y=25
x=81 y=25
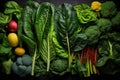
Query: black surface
x=67 y=76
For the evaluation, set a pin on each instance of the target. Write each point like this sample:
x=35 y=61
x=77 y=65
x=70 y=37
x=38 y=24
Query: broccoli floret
x=22 y=66
x=116 y=20
x=59 y=66
x=104 y=25
x=108 y=9
x=92 y=33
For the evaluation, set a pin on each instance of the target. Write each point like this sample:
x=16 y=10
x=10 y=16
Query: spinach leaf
x=29 y=17
x=5 y=47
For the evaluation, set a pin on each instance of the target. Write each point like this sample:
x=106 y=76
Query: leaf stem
x=48 y=56
x=33 y=62
x=69 y=55
x=110 y=45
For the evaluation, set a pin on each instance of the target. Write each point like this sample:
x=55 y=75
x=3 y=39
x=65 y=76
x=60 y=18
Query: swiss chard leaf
x=66 y=25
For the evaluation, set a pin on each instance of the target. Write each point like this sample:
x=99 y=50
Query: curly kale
x=108 y=9
x=104 y=24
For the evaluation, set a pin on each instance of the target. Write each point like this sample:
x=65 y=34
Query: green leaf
x=30 y=43
x=60 y=51
x=85 y=14
x=44 y=26
x=29 y=17
x=5 y=47
x=7 y=65
x=47 y=51
x=102 y=61
x=66 y=28
x=4 y=19
x=81 y=42
x=66 y=25
x=12 y=7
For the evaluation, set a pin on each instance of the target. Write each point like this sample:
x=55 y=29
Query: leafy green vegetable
x=66 y=27
x=108 y=9
x=79 y=67
x=7 y=64
x=4 y=19
x=80 y=42
x=40 y=68
x=105 y=53
x=59 y=66
x=93 y=34
x=13 y=8
x=115 y=20
x=28 y=18
x=104 y=25
x=60 y=51
x=85 y=14
x=44 y=26
x=5 y=47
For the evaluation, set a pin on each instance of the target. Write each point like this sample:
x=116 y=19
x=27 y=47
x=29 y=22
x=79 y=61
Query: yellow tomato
x=13 y=39
x=96 y=5
x=19 y=51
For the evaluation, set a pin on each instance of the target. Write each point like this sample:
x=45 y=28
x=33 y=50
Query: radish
x=12 y=26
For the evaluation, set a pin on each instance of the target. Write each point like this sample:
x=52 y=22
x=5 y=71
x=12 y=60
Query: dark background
x=67 y=76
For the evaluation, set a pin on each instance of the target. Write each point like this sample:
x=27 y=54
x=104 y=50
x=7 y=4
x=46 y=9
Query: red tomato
x=12 y=26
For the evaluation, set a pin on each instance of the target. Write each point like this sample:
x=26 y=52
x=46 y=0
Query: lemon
x=19 y=51
x=13 y=39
